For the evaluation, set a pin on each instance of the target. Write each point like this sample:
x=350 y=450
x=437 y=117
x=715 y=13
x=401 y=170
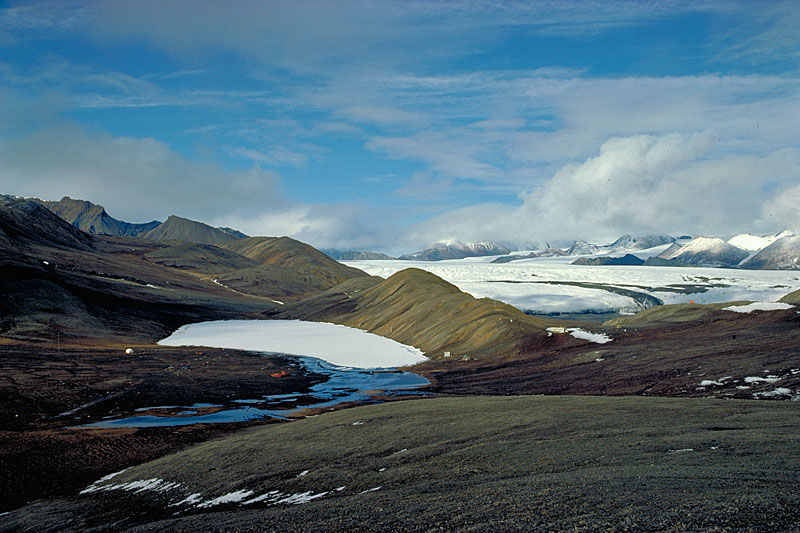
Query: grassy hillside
x=274 y=281
x=511 y=463
x=295 y=255
x=200 y=258
x=418 y=308
x=672 y=314
x=791 y=298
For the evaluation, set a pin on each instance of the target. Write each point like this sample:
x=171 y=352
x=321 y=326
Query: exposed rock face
x=583 y=248
x=457 y=250
x=658 y=261
x=92 y=218
x=353 y=255
x=627 y=259
x=783 y=254
x=706 y=251
x=547 y=252
x=627 y=242
x=25 y=223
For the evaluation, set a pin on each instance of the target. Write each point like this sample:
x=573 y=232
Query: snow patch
x=231 y=497
x=599 y=338
x=756 y=379
x=189 y=500
x=95 y=486
x=719 y=382
x=758 y=306
x=299 y=498
x=780 y=392
x=339 y=345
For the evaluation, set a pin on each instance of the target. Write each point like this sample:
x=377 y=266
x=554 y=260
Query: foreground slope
x=513 y=463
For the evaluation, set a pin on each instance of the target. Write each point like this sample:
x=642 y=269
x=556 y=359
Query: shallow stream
x=344 y=384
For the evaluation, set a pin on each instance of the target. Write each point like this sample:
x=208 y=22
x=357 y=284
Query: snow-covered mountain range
x=778 y=251
x=457 y=250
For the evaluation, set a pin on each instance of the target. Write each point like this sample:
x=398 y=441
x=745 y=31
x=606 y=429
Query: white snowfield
x=599 y=338
x=339 y=345
x=536 y=285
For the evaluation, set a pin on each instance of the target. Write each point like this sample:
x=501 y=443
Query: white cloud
x=642 y=184
x=783 y=210
x=342 y=226
x=138 y=178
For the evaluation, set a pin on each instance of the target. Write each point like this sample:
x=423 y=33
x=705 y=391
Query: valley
x=88 y=391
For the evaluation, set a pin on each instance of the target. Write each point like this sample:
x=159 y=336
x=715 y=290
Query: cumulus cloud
x=643 y=184
x=339 y=226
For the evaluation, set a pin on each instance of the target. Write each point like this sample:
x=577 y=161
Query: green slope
x=418 y=308
x=295 y=255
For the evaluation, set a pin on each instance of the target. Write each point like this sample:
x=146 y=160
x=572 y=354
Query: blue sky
x=390 y=125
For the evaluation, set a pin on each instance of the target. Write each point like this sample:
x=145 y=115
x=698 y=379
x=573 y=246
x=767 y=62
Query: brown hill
x=296 y=256
x=182 y=229
x=418 y=308
x=273 y=281
x=57 y=281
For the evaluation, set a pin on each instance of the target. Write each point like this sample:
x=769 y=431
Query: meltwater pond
x=339 y=384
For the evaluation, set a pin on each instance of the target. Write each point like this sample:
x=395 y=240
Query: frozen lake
x=554 y=286
x=338 y=345
x=356 y=366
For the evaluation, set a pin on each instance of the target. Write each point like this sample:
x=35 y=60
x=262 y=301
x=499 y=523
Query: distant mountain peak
x=452 y=249
x=782 y=254
x=93 y=218
x=177 y=228
x=641 y=242
x=706 y=251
